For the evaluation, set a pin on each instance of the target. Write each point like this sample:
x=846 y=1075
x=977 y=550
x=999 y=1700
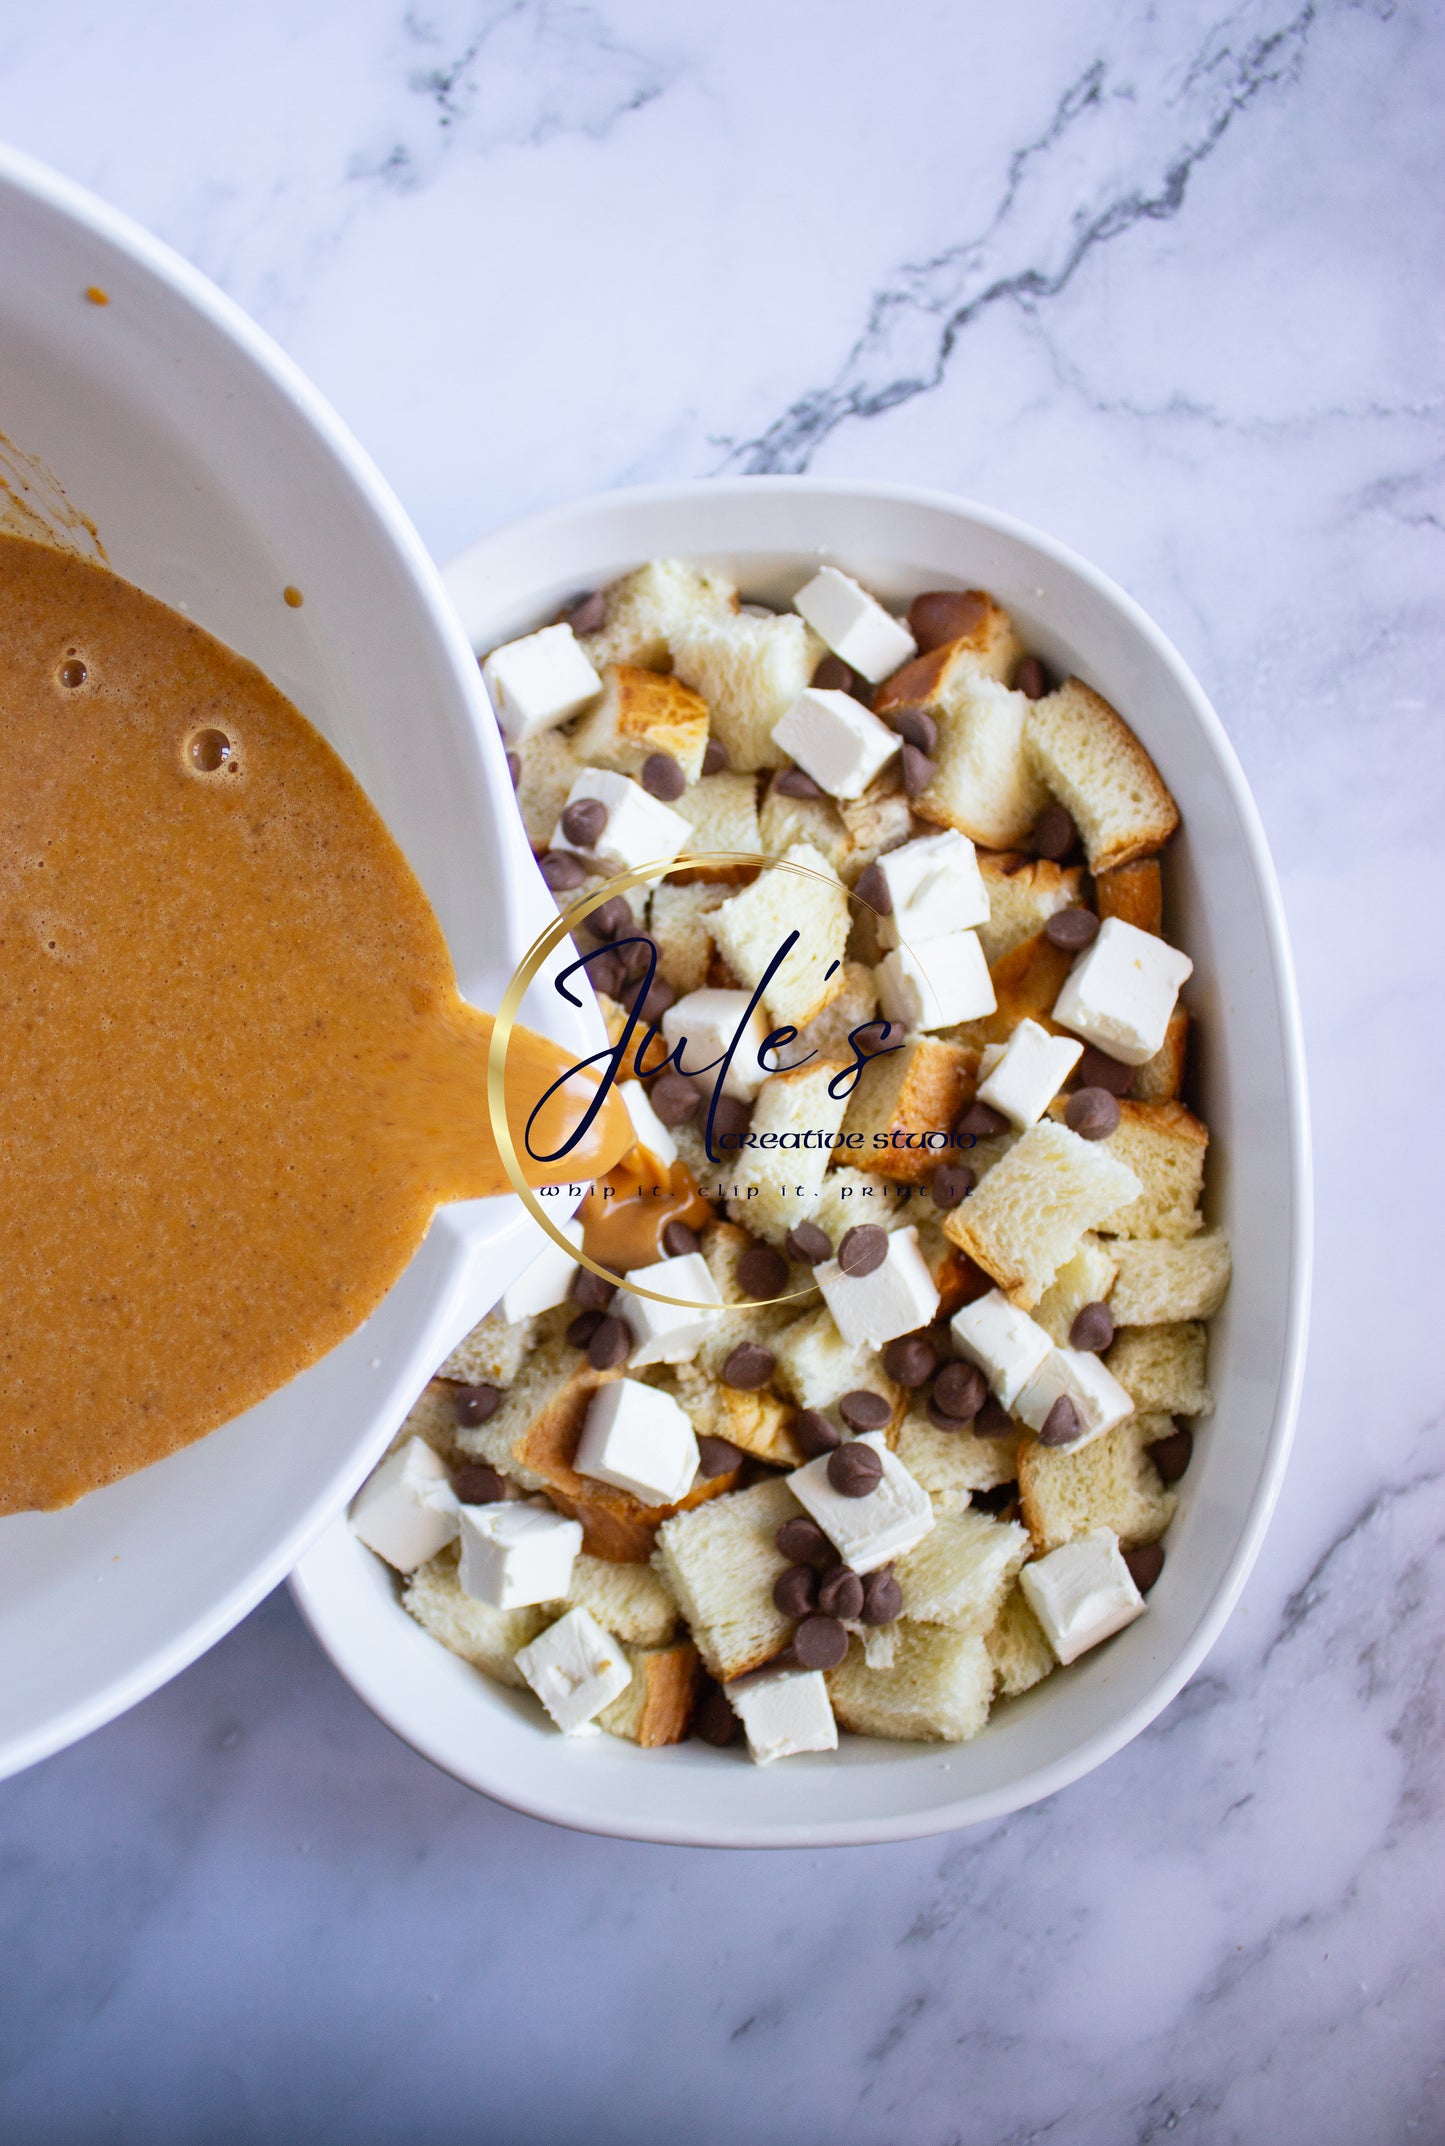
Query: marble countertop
x=1162 y=280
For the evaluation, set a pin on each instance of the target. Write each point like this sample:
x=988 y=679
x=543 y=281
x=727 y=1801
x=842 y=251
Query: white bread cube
x=854 y=624
x=938 y=1689
x=935 y=985
x=836 y=740
x=1082 y=1593
x=703 y=1027
x=936 y=888
x=749 y=671
x=1163 y=1368
x=985 y=784
x=640 y=713
x=781 y=1182
x=548 y=768
x=752 y=927
x=870 y=1531
x=784 y=1711
x=1023 y=893
x=487 y=1638
x=629 y=1600
x=649 y=610
x=406 y=1510
x=640 y=829
x=1028 y=1073
x=1003 y=1341
x=896 y=1298
x=1074 y=1375
x=1020 y=1654
x=545 y=1281
x=1121 y=992
x=539 y=681
x=669 y=1333
x=1164 y=1145
x=575 y=1668
x=656 y=1706
x=961 y=1573
x=816 y=1366
x=678 y=919
x=1065 y=1491
x=950 y=1465
x=722 y=814
x=637 y=1438
x=432 y=1418
x=1025 y=1218
x=492 y=1353
x=719 y=1561
x=1160 y=1281
x=784 y=821
x=1095 y=766
x=513 y=1555
x=830 y=1032
x=850 y=1196
x=1085 y=1278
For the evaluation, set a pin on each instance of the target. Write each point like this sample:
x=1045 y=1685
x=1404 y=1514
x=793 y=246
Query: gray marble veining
x=1164 y=280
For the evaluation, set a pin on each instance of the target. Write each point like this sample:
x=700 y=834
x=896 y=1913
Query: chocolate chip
x=678 y=1240
x=910 y=1361
x=982 y=1121
x=749 y=1367
x=583 y=1327
x=714 y=759
x=610 y=920
x=809 y=1244
x=941 y=1422
x=761 y=1272
x=637 y=956
x=950 y=1185
x=1096 y=1069
x=833 y=675
x=795 y=1592
x=674 y=1098
x=607 y=973
x=583 y=821
x=916 y=727
x=1092 y=1329
x=475 y=1404
x=715 y=1722
x=561 y=870
x=589 y=1292
x=814 y=1433
x=1145 y=1565
x=1172 y=1455
x=718 y=1456
x=1092 y=1113
x=609 y=1346
x=477 y=1484
x=662 y=777
x=863 y=1249
x=918 y=770
x=819 y=1643
x=993 y=1421
x=1032 y=680
x=804 y=1543
x=652 y=1003
x=882 y=1597
x=1072 y=929
x=730 y=1120
x=939 y=616
x=854 y=1470
x=872 y=887
x=841 y=1594
x=997 y=1500
x=794 y=782
x=586 y=613
x=1054 y=833
x=1062 y=1425
x=960 y=1390
x=864 y=1411
x=514 y=768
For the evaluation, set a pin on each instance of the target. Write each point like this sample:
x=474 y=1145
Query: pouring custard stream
x=238 y=1076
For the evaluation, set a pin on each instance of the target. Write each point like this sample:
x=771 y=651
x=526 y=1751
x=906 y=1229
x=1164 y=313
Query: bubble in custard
x=209 y=750
x=72 y=673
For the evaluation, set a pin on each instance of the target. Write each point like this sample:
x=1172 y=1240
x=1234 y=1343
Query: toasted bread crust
x=641 y=713
x=1094 y=764
x=1134 y=893
x=919 y=1089
x=991 y=646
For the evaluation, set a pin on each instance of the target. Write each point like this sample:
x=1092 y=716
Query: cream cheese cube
x=1082 y=1593
x=933 y=985
x=516 y=1554
x=1074 y=1375
x=545 y=1283
x=707 y=1020
x=640 y=828
x=1003 y=1341
x=783 y=1712
x=670 y=1333
x=406 y=1510
x=575 y=1668
x=1121 y=992
x=870 y=1531
x=638 y=1439
x=936 y=887
x=838 y=741
x=1028 y=1073
x=538 y=682
x=647 y=1127
x=896 y=1298
x=854 y=624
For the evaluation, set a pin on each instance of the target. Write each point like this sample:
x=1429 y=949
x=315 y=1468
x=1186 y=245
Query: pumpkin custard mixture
x=238 y=1075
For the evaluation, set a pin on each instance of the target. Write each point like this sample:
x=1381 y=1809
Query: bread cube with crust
x=1164 y=1145
x=905 y=1102
x=655 y=1707
x=1026 y=982
x=753 y=925
x=1134 y=893
x=938 y=1688
x=1023 y=893
x=1162 y=1368
x=985 y=784
x=547 y=769
x=722 y=812
x=678 y=919
x=1161 y=1280
x=1111 y=1483
x=492 y=1353
x=1086 y=754
x=960 y=1574
x=749 y=671
x=431 y=1417
x=1160 y=1078
x=487 y=1638
x=1020 y=1654
x=784 y=820
x=639 y=713
x=647 y=611
x=1026 y=1217
x=1086 y=1277
x=877 y=822
x=990 y=646
x=628 y=1600
x=720 y=1562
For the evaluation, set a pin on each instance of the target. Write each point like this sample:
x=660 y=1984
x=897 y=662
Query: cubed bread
x=850 y=1195
x=1164 y=1145
x=629 y=1601
x=723 y=1245
x=1025 y=1218
x=752 y=927
x=1020 y=1654
x=432 y=1417
x=656 y=1705
x=856 y=1006
x=749 y=671
x=492 y=1353
x=648 y=610
x=1161 y=1280
x=1023 y=893
x=548 y=767
x=962 y=1570
x=794 y=1114
x=905 y=1102
x=1134 y=893
x=816 y=1365
x=641 y=712
x=877 y=821
x=1160 y=1078
x=487 y=1638
x=990 y=646
x=985 y=784
x=720 y=1562
x=1086 y=754
x=722 y=811
x=784 y=820
x=1109 y=1483
x=938 y=1688
x=951 y=1464
x=679 y=919
x=1086 y=1277
x=1026 y=983
x=1162 y=1368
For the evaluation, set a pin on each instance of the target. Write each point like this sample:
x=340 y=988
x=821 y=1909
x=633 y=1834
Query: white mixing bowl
x=1224 y=908
x=215 y=477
